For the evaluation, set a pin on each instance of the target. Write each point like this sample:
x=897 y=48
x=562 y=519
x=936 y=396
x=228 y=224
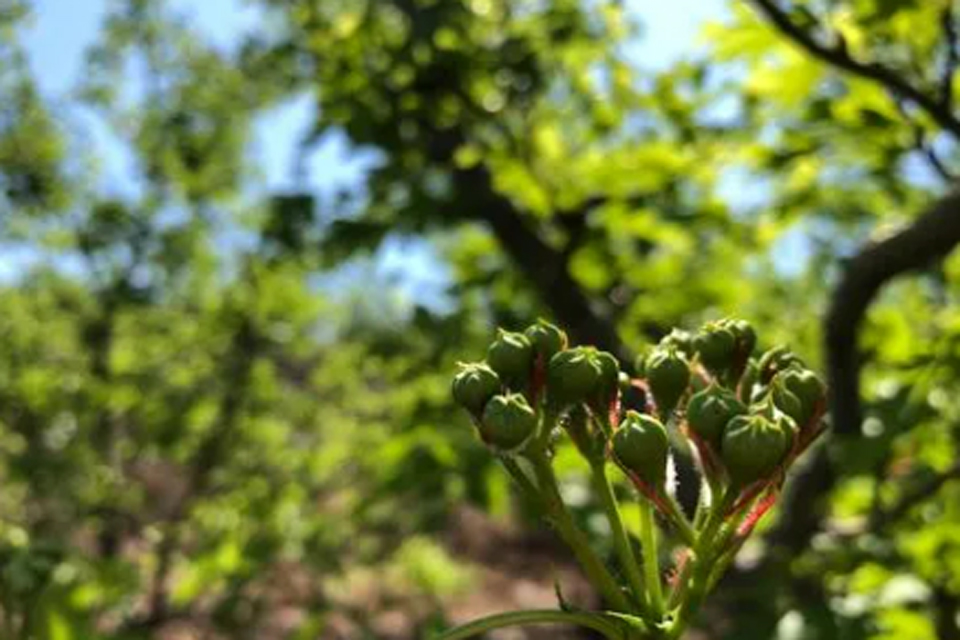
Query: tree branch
x=921 y=144
x=544 y=265
x=840 y=58
x=931 y=236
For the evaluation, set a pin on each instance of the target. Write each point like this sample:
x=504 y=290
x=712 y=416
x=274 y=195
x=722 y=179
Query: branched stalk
x=620 y=540
x=575 y=538
x=694 y=589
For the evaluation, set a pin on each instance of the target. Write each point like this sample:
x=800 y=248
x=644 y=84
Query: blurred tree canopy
x=187 y=410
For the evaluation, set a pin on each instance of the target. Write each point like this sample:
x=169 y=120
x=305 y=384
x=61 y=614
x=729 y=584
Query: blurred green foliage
x=187 y=413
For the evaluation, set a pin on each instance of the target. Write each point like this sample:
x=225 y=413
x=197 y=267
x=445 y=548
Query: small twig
x=921 y=144
x=931 y=236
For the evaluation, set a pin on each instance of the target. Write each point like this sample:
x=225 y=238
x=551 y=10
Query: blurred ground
x=513 y=568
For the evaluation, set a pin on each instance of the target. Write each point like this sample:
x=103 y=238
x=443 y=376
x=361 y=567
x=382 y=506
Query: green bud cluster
x=724 y=347
x=748 y=411
x=709 y=411
x=746 y=416
x=524 y=373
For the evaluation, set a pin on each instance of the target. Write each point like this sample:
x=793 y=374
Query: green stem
x=727 y=551
x=679 y=520
x=520 y=477
x=572 y=535
x=694 y=590
x=651 y=561
x=620 y=540
x=547 y=616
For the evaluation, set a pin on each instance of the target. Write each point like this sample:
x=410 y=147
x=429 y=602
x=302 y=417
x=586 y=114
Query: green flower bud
x=511 y=356
x=754 y=445
x=717 y=347
x=573 y=376
x=786 y=401
x=680 y=340
x=807 y=387
x=640 y=445
x=777 y=359
x=507 y=422
x=609 y=381
x=640 y=364
x=668 y=374
x=709 y=411
x=474 y=385
x=547 y=340
x=748 y=381
x=746 y=337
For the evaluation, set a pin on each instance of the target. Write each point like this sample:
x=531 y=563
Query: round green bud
x=717 y=347
x=640 y=445
x=609 y=381
x=474 y=385
x=668 y=374
x=807 y=387
x=746 y=337
x=754 y=445
x=511 y=356
x=777 y=359
x=547 y=340
x=507 y=422
x=748 y=381
x=786 y=401
x=573 y=376
x=709 y=411
x=640 y=364
x=680 y=340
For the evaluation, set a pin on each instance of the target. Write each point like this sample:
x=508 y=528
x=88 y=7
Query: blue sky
x=62 y=29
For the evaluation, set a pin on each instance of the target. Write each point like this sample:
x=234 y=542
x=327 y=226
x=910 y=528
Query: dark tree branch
x=921 y=144
x=920 y=141
x=839 y=57
x=931 y=236
x=545 y=266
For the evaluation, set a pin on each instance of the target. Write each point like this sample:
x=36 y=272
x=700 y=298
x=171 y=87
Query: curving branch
x=931 y=236
x=839 y=57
